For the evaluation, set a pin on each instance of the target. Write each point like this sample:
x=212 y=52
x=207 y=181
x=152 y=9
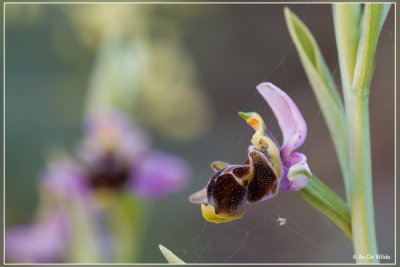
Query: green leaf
x=324 y=89
x=373 y=19
x=323 y=199
x=169 y=256
x=386 y=9
x=347 y=18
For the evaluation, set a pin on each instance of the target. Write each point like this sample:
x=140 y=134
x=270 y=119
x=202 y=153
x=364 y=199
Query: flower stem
x=357 y=114
x=127 y=218
x=327 y=202
x=362 y=205
x=347 y=19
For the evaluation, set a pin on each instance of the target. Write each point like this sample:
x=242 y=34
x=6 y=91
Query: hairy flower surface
x=268 y=168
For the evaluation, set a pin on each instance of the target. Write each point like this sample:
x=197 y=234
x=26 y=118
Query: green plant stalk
x=347 y=19
x=327 y=202
x=114 y=78
x=362 y=206
x=83 y=245
x=357 y=113
x=324 y=89
x=127 y=220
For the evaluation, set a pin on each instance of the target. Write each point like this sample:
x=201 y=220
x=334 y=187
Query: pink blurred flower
x=113 y=156
x=43 y=241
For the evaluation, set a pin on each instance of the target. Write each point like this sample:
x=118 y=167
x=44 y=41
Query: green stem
x=327 y=202
x=362 y=205
x=357 y=114
x=83 y=245
x=347 y=19
x=127 y=222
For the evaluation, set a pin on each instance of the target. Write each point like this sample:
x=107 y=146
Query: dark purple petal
x=109 y=172
x=265 y=180
x=42 y=242
x=296 y=172
x=158 y=174
x=291 y=122
x=226 y=194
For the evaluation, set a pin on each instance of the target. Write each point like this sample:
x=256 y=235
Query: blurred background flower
x=186 y=70
x=44 y=241
x=115 y=166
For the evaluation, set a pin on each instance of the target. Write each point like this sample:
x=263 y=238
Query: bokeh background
x=52 y=50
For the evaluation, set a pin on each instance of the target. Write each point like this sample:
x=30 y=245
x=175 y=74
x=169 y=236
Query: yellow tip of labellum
x=209 y=214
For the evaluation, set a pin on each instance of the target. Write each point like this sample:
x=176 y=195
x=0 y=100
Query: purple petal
x=107 y=119
x=271 y=195
x=291 y=122
x=296 y=172
x=158 y=174
x=42 y=242
x=111 y=131
x=64 y=179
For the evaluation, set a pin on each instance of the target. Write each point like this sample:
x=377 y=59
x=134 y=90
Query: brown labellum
x=108 y=173
x=231 y=187
x=265 y=180
x=225 y=194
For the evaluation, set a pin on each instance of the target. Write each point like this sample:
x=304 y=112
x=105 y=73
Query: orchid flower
x=269 y=167
x=117 y=156
x=114 y=157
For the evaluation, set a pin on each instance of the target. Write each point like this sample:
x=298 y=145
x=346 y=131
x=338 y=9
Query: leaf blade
x=373 y=19
x=169 y=256
x=347 y=19
x=324 y=89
